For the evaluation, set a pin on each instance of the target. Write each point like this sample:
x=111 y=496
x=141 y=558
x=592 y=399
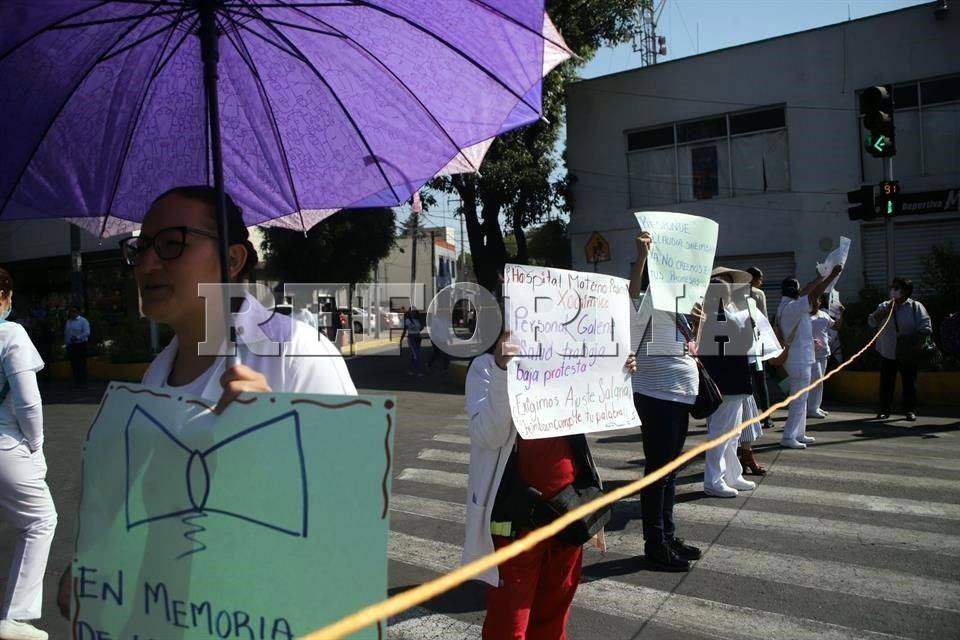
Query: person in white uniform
x=822 y=323
x=175 y=252
x=732 y=373
x=796 y=334
x=25 y=500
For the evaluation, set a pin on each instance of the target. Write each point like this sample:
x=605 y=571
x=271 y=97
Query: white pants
x=796 y=426
x=722 y=465
x=815 y=398
x=26 y=503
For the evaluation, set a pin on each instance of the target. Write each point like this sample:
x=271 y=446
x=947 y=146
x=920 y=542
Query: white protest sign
x=837 y=256
x=834 y=308
x=766 y=345
x=681 y=257
x=573 y=330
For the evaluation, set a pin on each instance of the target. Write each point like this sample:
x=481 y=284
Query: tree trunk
x=522 y=256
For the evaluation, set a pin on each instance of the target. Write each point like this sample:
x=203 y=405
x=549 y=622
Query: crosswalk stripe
x=824 y=575
x=432 y=476
x=422 y=624
x=896 y=479
x=633 y=602
x=860 y=502
x=758 y=520
x=819 y=528
x=765 y=490
x=887 y=479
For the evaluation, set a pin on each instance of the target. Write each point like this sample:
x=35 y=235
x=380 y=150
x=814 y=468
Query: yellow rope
x=438 y=586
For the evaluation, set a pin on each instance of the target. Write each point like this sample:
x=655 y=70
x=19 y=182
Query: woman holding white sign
x=796 y=334
x=513 y=487
x=665 y=387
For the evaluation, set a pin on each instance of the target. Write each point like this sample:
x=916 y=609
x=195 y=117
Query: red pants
x=537 y=590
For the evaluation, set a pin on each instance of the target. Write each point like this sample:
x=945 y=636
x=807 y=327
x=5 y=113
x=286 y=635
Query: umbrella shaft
x=210 y=54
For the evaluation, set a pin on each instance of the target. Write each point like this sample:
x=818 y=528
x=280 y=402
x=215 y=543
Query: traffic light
x=889 y=199
x=865 y=204
x=876 y=107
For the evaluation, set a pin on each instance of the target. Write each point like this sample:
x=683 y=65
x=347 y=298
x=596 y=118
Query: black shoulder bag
x=709 y=397
x=525 y=508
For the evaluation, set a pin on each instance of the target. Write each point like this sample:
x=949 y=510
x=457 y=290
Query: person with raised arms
x=664 y=389
x=795 y=330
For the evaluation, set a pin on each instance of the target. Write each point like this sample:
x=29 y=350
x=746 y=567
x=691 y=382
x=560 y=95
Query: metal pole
x=888 y=227
x=413 y=257
x=210 y=54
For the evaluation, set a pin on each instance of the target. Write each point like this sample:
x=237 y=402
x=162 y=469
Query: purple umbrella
x=299 y=108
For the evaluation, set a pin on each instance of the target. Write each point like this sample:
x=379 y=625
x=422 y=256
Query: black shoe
x=911 y=416
x=683 y=550
x=883 y=416
x=664 y=559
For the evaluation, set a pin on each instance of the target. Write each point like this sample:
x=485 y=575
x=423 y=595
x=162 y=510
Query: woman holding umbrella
x=177 y=250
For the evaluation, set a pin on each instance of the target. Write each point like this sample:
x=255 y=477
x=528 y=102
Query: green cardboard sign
x=264 y=523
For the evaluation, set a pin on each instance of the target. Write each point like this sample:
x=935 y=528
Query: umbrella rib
x=125 y=153
x=413 y=94
x=288 y=24
x=176 y=48
x=91 y=23
x=53 y=119
x=275 y=127
x=343 y=108
x=452 y=47
x=290 y=53
x=141 y=40
x=509 y=18
x=48 y=27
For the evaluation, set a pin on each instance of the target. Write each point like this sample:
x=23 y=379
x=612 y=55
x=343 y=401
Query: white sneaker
x=792 y=444
x=14 y=630
x=819 y=415
x=723 y=491
x=807 y=439
x=743 y=485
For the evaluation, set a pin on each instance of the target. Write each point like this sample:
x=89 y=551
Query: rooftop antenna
x=646 y=42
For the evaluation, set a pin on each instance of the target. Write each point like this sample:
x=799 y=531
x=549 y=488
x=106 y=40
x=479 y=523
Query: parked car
x=363 y=320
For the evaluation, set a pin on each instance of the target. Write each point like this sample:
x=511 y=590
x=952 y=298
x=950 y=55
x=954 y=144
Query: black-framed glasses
x=169 y=244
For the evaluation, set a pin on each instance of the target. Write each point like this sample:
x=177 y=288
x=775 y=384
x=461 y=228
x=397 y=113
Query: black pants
x=760 y=393
x=888 y=382
x=77 y=353
x=664 y=427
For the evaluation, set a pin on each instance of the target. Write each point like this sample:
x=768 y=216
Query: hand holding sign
x=681 y=257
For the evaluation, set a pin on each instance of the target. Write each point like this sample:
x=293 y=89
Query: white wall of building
x=815 y=75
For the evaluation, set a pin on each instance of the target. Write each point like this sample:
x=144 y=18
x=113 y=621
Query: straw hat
x=735 y=276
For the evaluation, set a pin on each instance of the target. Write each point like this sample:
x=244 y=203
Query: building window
x=720 y=156
x=927 y=120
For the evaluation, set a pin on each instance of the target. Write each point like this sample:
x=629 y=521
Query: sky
x=693 y=26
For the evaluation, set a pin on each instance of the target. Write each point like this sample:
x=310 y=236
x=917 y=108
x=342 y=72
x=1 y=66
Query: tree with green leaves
x=343 y=248
x=515 y=188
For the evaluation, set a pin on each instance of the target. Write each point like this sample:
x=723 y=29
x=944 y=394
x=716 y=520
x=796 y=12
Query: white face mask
x=895 y=294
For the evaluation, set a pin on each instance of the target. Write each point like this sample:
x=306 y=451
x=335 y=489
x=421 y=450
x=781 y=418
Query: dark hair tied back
x=237 y=232
x=6 y=282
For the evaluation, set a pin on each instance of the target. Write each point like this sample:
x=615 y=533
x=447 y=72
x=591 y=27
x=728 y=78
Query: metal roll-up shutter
x=775 y=267
x=913 y=243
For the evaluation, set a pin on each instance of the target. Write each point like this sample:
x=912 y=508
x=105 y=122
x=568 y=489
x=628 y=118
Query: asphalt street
x=854 y=538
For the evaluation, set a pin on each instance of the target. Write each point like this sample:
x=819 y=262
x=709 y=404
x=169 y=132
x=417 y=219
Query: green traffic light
x=889 y=207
